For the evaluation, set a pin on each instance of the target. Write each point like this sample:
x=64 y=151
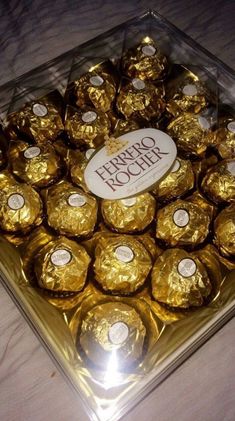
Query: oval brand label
x=61 y=257
x=39 y=110
x=190 y=90
x=148 y=50
x=187 y=267
x=181 y=218
x=231 y=126
x=76 y=200
x=176 y=166
x=15 y=201
x=96 y=80
x=129 y=202
x=147 y=155
x=89 y=116
x=118 y=333
x=124 y=254
x=32 y=152
x=89 y=153
x=138 y=84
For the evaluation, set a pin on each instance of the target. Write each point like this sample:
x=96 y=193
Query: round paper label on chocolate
x=189 y=90
x=89 y=116
x=138 y=84
x=144 y=158
x=77 y=200
x=61 y=257
x=181 y=218
x=129 y=202
x=124 y=254
x=32 y=152
x=187 y=267
x=118 y=333
x=89 y=153
x=231 y=126
x=96 y=80
x=231 y=168
x=148 y=50
x=39 y=110
x=176 y=166
x=204 y=123
x=16 y=201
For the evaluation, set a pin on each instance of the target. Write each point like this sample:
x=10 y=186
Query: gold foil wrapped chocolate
x=129 y=215
x=140 y=100
x=61 y=266
x=225 y=138
x=224 y=231
x=182 y=223
x=112 y=333
x=125 y=126
x=180 y=279
x=145 y=61
x=201 y=166
x=178 y=182
x=219 y=182
x=71 y=211
x=77 y=163
x=35 y=165
x=87 y=127
x=198 y=199
x=122 y=264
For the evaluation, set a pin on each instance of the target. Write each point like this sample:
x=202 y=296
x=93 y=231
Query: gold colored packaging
x=61 y=266
x=125 y=126
x=198 y=199
x=178 y=182
x=87 y=127
x=182 y=223
x=71 y=211
x=219 y=182
x=191 y=133
x=225 y=138
x=35 y=165
x=201 y=166
x=6 y=180
x=180 y=279
x=20 y=207
x=77 y=162
x=40 y=120
x=224 y=230
x=140 y=100
x=129 y=215
x=122 y=264
x=145 y=61
x=110 y=332
x=149 y=243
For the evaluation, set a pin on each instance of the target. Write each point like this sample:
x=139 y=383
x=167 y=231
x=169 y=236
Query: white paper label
x=148 y=50
x=124 y=254
x=76 y=200
x=39 y=110
x=16 y=201
x=204 y=123
x=61 y=257
x=231 y=167
x=96 y=80
x=89 y=116
x=89 y=153
x=181 y=218
x=176 y=166
x=118 y=333
x=231 y=126
x=138 y=84
x=129 y=202
x=32 y=152
x=190 y=90
x=187 y=267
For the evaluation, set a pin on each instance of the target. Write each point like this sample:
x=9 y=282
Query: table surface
x=31 y=388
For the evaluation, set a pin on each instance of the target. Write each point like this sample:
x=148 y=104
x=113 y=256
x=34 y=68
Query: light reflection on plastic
x=110 y=378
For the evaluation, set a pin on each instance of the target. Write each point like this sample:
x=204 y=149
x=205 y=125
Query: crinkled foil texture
x=118 y=276
x=131 y=215
x=124 y=126
x=77 y=162
x=219 y=182
x=192 y=100
x=198 y=199
x=225 y=139
x=224 y=228
x=61 y=275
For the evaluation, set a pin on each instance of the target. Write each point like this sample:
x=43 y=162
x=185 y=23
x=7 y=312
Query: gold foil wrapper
x=35 y=165
x=61 y=266
x=40 y=120
x=224 y=230
x=198 y=199
x=77 y=163
x=201 y=166
x=125 y=126
x=219 y=182
x=180 y=279
x=140 y=100
x=112 y=332
x=145 y=61
x=129 y=215
x=178 y=182
x=87 y=127
x=191 y=133
x=225 y=138
x=122 y=264
x=71 y=211
x=182 y=223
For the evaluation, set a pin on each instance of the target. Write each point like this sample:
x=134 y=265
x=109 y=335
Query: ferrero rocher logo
x=113 y=145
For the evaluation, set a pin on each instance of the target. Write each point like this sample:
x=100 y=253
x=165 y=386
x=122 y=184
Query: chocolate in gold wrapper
x=198 y=199
x=61 y=266
x=36 y=165
x=178 y=182
x=20 y=207
x=87 y=127
x=145 y=61
x=219 y=182
x=225 y=138
x=40 y=120
x=71 y=211
x=129 y=215
x=141 y=100
x=182 y=223
x=112 y=331
x=192 y=133
x=201 y=166
x=77 y=162
x=180 y=279
x=224 y=230
x=122 y=264
x=125 y=126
